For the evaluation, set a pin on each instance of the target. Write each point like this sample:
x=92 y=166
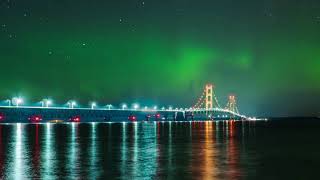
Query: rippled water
x=156 y=150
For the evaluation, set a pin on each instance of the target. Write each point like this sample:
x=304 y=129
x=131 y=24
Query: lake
x=276 y=149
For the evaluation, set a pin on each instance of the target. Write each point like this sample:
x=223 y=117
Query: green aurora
x=164 y=53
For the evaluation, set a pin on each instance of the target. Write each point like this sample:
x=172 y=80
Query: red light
x=35 y=118
x=75 y=119
x=2 y=116
x=132 y=118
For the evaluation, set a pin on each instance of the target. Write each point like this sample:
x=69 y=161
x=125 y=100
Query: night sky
x=267 y=52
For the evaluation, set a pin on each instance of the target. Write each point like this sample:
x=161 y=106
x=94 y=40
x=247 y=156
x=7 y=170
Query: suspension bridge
x=207 y=107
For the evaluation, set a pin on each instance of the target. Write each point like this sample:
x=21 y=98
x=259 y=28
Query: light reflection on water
x=186 y=150
x=19 y=159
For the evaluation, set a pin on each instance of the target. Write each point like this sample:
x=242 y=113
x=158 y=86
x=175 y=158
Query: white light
x=136 y=106
x=93 y=105
x=155 y=108
x=124 y=106
x=170 y=108
x=46 y=102
x=17 y=101
x=49 y=102
x=72 y=104
x=109 y=106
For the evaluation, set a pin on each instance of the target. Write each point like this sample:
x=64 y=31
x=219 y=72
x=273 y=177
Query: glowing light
x=109 y=106
x=135 y=106
x=124 y=106
x=72 y=104
x=46 y=102
x=17 y=101
x=93 y=105
x=49 y=102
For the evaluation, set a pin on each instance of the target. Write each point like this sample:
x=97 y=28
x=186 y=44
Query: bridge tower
x=209 y=99
x=232 y=104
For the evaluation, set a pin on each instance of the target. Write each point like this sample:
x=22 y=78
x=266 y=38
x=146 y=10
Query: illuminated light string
x=200 y=100
x=216 y=100
x=231 y=106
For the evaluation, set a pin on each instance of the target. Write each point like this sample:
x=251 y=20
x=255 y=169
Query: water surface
x=161 y=150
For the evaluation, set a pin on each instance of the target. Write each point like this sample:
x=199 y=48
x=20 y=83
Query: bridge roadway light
x=155 y=108
x=124 y=106
x=46 y=103
x=146 y=108
x=93 y=105
x=136 y=106
x=72 y=104
x=170 y=108
x=163 y=108
x=109 y=106
x=17 y=101
x=9 y=102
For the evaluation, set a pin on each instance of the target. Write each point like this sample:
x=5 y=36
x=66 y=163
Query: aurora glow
x=163 y=52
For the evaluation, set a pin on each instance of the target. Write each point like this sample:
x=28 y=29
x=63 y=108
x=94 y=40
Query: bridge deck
x=24 y=114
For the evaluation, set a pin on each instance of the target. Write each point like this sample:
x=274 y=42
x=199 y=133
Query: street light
x=163 y=108
x=170 y=108
x=109 y=106
x=93 y=105
x=136 y=106
x=155 y=108
x=46 y=102
x=17 y=101
x=72 y=104
x=124 y=106
x=9 y=102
